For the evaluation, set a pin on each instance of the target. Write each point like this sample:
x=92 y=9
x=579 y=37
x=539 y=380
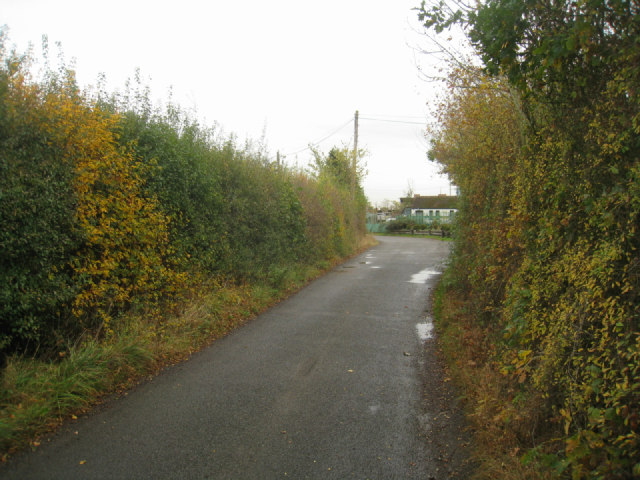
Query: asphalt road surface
x=329 y=384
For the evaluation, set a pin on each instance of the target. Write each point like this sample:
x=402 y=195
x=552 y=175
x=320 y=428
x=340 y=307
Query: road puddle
x=423 y=276
x=425 y=330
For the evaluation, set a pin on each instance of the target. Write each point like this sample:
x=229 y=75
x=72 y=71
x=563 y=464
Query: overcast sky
x=296 y=70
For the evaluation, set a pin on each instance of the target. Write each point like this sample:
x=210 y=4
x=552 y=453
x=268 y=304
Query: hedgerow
x=544 y=144
x=109 y=205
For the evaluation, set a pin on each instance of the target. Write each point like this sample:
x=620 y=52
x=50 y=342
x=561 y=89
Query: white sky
x=294 y=69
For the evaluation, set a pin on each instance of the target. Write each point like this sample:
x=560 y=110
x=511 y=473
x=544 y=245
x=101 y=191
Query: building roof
x=442 y=202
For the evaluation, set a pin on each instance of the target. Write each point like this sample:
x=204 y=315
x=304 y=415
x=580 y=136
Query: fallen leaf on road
x=82 y=462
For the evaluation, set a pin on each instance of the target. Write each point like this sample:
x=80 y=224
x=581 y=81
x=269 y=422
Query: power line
x=405 y=122
x=386 y=115
x=401 y=119
x=329 y=135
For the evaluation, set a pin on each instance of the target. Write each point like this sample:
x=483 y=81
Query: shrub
x=38 y=228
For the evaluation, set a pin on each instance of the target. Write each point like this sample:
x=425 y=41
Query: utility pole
x=355 y=156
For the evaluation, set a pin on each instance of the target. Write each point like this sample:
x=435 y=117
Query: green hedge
x=545 y=149
x=107 y=204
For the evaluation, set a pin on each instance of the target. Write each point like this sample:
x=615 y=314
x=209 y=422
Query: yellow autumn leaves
x=125 y=254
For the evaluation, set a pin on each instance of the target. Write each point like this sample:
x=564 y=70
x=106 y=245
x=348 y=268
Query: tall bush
x=38 y=228
x=339 y=176
x=568 y=311
x=185 y=177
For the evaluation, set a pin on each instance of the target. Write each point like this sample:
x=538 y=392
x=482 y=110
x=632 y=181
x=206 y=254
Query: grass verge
x=468 y=350
x=36 y=396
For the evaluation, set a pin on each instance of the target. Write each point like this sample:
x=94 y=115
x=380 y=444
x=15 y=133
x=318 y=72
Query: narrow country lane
x=331 y=384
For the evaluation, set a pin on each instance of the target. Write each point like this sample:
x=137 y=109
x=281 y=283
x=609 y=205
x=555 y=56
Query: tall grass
x=36 y=395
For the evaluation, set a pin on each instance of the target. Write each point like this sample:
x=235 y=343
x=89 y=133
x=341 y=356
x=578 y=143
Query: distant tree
x=338 y=165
